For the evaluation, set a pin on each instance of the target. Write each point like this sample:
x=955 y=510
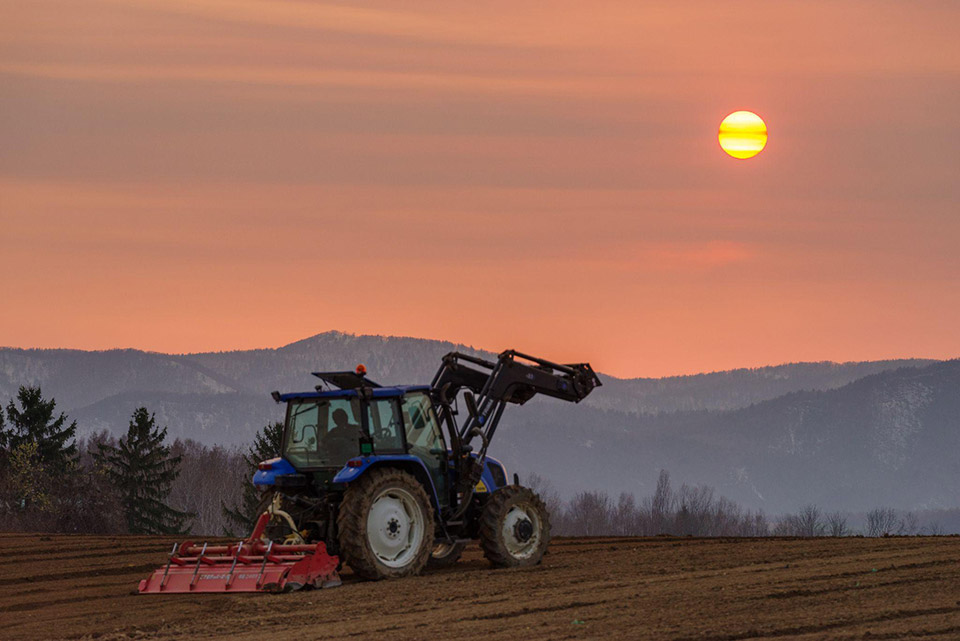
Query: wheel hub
x=393 y=528
x=523 y=530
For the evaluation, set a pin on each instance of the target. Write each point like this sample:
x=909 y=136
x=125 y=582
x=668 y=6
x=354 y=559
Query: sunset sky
x=227 y=174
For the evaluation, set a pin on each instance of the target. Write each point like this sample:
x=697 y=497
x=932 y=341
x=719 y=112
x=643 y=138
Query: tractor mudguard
x=355 y=468
x=268 y=471
x=493 y=477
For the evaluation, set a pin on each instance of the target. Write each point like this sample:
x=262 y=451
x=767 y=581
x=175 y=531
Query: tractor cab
x=322 y=432
x=332 y=434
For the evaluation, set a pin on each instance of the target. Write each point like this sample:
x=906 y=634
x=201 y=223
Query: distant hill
x=220 y=397
x=734 y=388
x=887 y=439
x=845 y=435
x=223 y=397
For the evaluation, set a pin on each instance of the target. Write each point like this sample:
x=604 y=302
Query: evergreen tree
x=26 y=481
x=142 y=469
x=34 y=422
x=4 y=453
x=267 y=444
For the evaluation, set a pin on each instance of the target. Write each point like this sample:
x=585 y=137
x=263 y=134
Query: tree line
x=689 y=510
x=695 y=510
x=53 y=481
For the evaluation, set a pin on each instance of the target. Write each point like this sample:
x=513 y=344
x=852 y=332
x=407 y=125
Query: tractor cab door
x=425 y=440
x=386 y=426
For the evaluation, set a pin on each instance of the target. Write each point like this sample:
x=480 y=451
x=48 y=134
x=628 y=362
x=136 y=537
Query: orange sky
x=221 y=174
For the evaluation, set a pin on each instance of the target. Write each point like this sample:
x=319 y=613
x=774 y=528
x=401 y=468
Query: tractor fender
x=268 y=471
x=492 y=478
x=356 y=467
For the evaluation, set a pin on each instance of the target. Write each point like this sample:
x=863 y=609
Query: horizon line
x=472 y=347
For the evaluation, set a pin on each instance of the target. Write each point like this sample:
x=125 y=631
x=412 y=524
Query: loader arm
x=513 y=378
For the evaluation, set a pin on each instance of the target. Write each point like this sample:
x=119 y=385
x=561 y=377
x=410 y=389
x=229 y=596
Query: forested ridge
x=842 y=436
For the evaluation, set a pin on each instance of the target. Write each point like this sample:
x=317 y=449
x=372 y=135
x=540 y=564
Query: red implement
x=250 y=566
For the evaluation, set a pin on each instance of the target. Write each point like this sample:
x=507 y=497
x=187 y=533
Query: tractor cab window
x=386 y=426
x=424 y=437
x=419 y=420
x=322 y=433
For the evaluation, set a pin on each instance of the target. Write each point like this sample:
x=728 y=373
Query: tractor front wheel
x=514 y=528
x=386 y=525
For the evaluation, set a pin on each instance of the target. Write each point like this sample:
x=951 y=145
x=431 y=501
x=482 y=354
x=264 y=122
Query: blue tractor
x=389 y=480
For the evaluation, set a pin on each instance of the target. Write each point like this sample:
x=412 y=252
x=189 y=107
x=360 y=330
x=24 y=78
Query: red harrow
x=253 y=565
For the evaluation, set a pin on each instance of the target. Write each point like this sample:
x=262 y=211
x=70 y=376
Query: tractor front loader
x=386 y=480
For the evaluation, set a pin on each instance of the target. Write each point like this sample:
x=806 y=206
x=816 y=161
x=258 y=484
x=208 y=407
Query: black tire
x=445 y=555
x=356 y=547
x=525 y=544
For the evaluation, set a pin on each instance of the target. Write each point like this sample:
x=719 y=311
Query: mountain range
x=848 y=436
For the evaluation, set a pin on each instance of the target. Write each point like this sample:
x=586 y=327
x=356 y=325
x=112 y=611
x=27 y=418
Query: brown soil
x=79 y=587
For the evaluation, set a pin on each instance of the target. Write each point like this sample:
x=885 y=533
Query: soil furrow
x=653 y=588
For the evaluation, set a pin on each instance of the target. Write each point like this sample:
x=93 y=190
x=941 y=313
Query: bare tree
x=909 y=524
x=728 y=519
x=810 y=521
x=589 y=514
x=882 y=521
x=624 y=520
x=807 y=522
x=644 y=522
x=786 y=526
x=756 y=525
x=837 y=524
x=934 y=529
x=694 y=506
x=209 y=477
x=661 y=505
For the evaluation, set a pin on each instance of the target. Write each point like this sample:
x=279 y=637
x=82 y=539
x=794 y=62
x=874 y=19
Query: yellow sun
x=743 y=134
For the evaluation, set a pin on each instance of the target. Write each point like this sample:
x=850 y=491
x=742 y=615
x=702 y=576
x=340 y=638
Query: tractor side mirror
x=471 y=404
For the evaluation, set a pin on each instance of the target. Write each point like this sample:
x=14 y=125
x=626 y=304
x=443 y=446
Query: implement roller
x=253 y=565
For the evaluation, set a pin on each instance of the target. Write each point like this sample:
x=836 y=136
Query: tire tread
x=491 y=541
x=352 y=524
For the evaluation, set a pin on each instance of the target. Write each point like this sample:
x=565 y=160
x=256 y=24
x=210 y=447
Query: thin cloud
x=332 y=17
x=305 y=77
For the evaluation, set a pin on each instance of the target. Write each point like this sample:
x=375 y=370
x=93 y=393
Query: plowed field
x=79 y=587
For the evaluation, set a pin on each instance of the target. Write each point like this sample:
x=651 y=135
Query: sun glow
x=743 y=134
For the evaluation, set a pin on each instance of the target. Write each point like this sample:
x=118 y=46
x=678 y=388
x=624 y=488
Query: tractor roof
x=348 y=379
x=378 y=392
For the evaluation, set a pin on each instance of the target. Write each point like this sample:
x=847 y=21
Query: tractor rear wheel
x=514 y=528
x=445 y=555
x=386 y=525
